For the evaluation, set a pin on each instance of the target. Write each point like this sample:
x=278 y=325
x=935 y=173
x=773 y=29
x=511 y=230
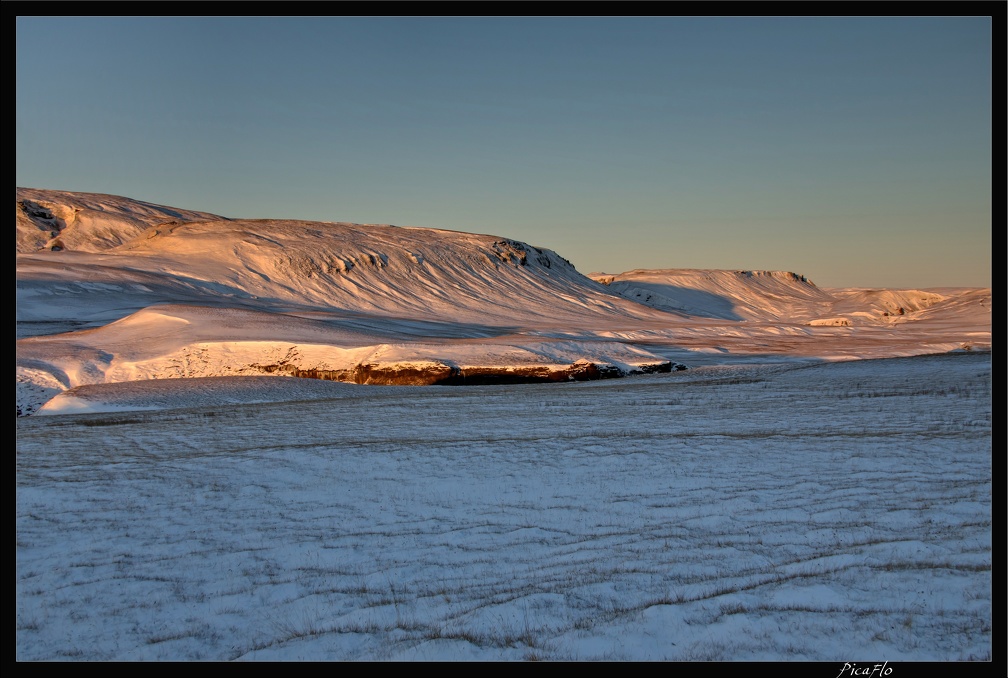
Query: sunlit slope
x=86 y=222
x=94 y=258
x=404 y=272
x=186 y=341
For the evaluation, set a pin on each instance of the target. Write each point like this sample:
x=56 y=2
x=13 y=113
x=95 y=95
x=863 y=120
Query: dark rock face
x=402 y=375
x=442 y=374
x=579 y=371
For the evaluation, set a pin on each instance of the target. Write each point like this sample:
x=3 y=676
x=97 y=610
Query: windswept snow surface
x=837 y=512
x=87 y=222
x=185 y=496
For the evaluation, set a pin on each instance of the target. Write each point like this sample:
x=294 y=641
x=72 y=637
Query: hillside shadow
x=404 y=326
x=88 y=306
x=691 y=302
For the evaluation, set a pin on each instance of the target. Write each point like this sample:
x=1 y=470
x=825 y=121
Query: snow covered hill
x=113 y=290
x=726 y=295
x=767 y=296
x=86 y=222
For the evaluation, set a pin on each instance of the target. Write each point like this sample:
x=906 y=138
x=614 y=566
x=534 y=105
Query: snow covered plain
x=815 y=486
x=792 y=511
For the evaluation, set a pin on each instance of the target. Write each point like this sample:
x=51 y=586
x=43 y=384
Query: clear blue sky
x=856 y=151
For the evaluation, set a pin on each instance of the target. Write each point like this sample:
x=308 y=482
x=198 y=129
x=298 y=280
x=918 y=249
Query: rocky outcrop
x=443 y=374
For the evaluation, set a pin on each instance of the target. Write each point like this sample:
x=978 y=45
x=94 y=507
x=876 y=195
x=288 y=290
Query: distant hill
x=765 y=296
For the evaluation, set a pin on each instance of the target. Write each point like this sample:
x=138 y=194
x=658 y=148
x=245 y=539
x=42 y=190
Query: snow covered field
x=787 y=510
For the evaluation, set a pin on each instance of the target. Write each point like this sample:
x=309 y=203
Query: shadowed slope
x=726 y=295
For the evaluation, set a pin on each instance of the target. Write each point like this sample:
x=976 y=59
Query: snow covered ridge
x=722 y=294
x=430 y=273
x=113 y=290
x=87 y=222
x=767 y=296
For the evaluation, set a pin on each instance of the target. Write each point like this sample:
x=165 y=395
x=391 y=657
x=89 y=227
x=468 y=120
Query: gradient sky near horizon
x=855 y=151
